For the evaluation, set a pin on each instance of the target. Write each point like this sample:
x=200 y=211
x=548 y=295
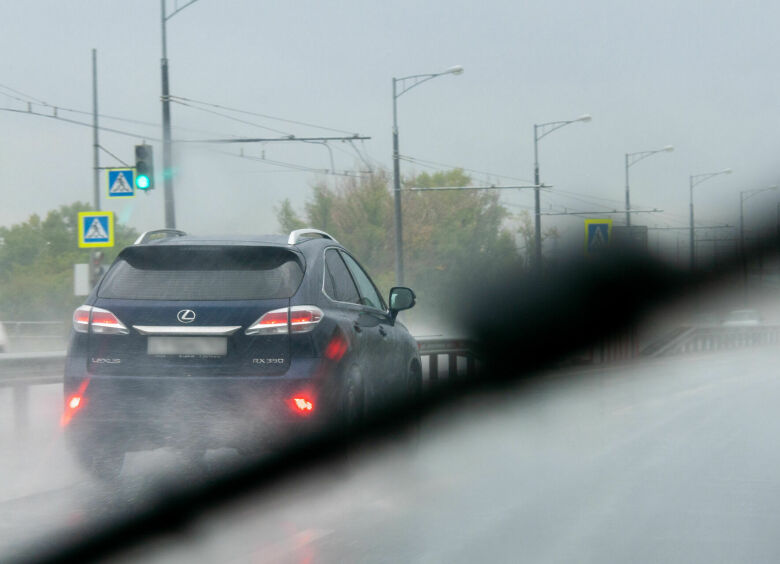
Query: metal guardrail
x=21 y=370
x=703 y=338
x=35 y=329
x=453 y=348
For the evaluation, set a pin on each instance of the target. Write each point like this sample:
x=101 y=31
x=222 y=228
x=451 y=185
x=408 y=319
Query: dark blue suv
x=195 y=343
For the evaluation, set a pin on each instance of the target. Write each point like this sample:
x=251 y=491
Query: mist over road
x=672 y=460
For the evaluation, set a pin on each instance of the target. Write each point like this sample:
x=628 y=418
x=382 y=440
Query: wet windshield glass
x=205 y=207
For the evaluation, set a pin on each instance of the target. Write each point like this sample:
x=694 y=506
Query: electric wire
x=432 y=164
x=32 y=100
x=76 y=122
x=257 y=114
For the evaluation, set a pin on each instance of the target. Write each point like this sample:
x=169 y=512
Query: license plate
x=189 y=346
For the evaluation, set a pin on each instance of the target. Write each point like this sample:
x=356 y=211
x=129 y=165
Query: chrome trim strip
x=189 y=330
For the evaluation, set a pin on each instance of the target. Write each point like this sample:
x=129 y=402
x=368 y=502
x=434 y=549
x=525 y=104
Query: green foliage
x=36 y=264
x=287 y=218
x=451 y=238
x=527 y=233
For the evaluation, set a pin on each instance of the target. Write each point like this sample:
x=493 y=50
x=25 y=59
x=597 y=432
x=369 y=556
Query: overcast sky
x=702 y=76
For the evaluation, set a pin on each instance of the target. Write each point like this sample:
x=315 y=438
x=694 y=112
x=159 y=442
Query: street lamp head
x=726 y=171
x=668 y=148
x=457 y=69
x=584 y=118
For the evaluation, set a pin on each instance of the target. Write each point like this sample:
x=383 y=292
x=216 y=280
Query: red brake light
x=105 y=322
x=302 y=319
x=98 y=320
x=81 y=319
x=74 y=402
x=302 y=404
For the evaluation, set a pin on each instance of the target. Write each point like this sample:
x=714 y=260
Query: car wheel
x=352 y=403
x=414 y=383
x=351 y=413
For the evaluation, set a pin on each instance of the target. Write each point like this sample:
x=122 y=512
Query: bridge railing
x=703 y=338
x=452 y=350
x=19 y=371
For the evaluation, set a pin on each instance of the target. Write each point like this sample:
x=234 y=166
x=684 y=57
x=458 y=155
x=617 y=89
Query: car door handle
x=356 y=326
x=382 y=331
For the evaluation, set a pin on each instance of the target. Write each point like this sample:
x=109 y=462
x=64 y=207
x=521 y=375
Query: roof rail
x=147 y=236
x=299 y=234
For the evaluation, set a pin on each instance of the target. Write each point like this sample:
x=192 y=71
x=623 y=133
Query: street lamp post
x=400 y=87
x=541 y=130
x=167 y=161
x=694 y=180
x=743 y=196
x=631 y=160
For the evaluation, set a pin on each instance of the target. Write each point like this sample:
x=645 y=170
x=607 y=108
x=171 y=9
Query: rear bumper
x=152 y=411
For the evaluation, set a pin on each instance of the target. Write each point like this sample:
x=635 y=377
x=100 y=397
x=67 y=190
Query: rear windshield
x=203 y=273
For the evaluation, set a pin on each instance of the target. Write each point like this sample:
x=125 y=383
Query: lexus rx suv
x=195 y=343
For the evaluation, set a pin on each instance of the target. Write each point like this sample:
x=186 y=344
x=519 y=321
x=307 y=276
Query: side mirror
x=401 y=298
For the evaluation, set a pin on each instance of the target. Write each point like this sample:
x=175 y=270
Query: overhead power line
x=601 y=212
x=182 y=99
x=275 y=139
x=34 y=101
x=427 y=163
x=76 y=122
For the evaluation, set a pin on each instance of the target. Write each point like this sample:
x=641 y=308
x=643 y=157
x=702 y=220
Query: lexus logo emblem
x=186 y=316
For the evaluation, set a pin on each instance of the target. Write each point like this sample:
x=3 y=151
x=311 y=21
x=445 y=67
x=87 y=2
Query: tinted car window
x=338 y=282
x=203 y=273
x=369 y=295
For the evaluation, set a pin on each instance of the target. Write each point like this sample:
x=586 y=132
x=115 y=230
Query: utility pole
x=542 y=130
x=537 y=262
x=167 y=168
x=413 y=80
x=692 y=255
x=95 y=141
x=694 y=180
x=397 y=217
x=96 y=255
x=631 y=160
x=628 y=198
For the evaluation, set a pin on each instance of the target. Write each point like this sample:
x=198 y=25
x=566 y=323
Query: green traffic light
x=142 y=182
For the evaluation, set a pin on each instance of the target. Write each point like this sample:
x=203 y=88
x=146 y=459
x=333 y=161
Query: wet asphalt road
x=663 y=461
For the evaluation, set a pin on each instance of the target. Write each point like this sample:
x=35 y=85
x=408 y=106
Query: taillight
x=301 y=404
x=298 y=319
x=97 y=320
x=74 y=402
x=81 y=319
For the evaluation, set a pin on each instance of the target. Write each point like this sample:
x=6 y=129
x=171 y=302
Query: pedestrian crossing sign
x=121 y=182
x=598 y=233
x=96 y=229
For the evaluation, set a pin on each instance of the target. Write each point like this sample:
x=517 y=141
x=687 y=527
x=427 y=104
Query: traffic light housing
x=144 y=167
x=96 y=268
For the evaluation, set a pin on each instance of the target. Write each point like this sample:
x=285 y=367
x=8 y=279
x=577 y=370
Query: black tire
x=414 y=391
x=352 y=409
x=103 y=462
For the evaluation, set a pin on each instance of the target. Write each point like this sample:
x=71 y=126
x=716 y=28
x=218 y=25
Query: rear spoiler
x=152 y=235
